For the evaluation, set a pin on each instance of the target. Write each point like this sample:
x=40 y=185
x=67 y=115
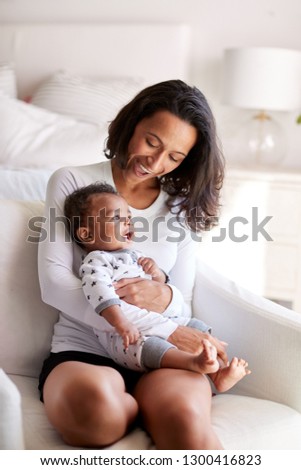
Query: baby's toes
x=242 y=363
x=234 y=363
x=244 y=366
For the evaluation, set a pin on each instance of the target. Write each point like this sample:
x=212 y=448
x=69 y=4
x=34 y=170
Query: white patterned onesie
x=98 y=271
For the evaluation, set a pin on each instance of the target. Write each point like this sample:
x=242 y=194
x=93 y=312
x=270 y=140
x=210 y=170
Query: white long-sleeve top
x=158 y=235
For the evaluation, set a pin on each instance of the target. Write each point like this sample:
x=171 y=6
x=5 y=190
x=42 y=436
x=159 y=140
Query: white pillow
x=24 y=184
x=31 y=137
x=95 y=101
x=8 y=83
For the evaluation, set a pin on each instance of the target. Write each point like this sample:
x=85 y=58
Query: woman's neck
x=139 y=195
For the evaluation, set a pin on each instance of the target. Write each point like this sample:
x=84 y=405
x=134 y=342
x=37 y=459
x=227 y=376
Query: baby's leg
x=191 y=322
x=204 y=363
x=199 y=325
x=113 y=344
x=144 y=355
x=226 y=377
x=153 y=353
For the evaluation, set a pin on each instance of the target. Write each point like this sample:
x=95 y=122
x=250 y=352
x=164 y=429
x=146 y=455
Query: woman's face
x=159 y=145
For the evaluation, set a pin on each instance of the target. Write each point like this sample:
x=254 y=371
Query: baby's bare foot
x=206 y=362
x=226 y=377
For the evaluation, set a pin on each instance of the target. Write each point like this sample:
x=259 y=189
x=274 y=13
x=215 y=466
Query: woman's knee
x=178 y=416
x=188 y=413
x=178 y=394
x=90 y=409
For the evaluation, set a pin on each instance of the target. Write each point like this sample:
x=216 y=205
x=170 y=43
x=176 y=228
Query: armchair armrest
x=264 y=333
x=11 y=430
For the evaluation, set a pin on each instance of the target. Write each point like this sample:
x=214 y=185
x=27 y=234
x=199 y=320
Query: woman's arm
x=182 y=278
x=58 y=256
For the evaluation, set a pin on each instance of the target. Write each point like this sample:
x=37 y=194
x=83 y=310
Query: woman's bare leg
x=87 y=404
x=176 y=405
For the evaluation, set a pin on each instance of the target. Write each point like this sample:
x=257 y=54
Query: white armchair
x=11 y=429
x=263 y=411
x=266 y=414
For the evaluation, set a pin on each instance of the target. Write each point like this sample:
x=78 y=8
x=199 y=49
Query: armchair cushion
x=26 y=321
x=264 y=333
x=244 y=422
x=11 y=426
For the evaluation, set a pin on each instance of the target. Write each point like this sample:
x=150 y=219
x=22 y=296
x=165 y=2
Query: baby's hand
x=129 y=333
x=150 y=267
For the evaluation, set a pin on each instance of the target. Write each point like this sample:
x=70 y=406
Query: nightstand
x=257 y=241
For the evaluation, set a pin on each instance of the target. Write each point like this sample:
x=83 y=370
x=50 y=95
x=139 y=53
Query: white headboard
x=149 y=51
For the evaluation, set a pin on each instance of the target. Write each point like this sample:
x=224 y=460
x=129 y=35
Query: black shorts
x=129 y=376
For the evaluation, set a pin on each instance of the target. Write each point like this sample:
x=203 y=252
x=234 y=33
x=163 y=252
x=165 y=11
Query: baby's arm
x=96 y=272
x=150 y=267
x=129 y=332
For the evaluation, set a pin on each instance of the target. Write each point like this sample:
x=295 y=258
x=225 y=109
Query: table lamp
x=263 y=79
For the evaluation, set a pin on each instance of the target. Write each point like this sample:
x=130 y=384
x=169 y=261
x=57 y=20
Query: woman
x=164 y=160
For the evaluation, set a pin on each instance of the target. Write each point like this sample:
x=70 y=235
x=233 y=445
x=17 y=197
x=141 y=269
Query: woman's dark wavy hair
x=197 y=181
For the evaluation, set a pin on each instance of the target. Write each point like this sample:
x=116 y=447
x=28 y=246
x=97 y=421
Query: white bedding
x=34 y=142
x=71 y=90
x=24 y=184
x=32 y=137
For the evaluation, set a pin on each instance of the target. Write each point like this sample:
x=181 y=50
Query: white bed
x=61 y=84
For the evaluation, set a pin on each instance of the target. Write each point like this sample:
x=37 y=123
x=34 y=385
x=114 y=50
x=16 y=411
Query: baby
x=100 y=222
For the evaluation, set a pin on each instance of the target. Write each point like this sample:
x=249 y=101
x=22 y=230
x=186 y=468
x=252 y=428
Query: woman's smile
x=159 y=145
x=141 y=170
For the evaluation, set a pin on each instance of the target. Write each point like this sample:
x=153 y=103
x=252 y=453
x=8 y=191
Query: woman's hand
x=144 y=293
x=190 y=340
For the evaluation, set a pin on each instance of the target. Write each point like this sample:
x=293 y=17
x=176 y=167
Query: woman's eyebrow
x=158 y=138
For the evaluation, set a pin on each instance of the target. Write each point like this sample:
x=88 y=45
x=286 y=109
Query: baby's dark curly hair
x=77 y=206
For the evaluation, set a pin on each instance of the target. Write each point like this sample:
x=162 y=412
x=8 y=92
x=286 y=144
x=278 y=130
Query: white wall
x=215 y=25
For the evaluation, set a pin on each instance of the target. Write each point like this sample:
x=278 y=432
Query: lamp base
x=262 y=141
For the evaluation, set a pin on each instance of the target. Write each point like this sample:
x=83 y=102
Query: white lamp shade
x=262 y=78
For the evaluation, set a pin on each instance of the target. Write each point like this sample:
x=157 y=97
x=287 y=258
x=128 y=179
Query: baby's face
x=110 y=223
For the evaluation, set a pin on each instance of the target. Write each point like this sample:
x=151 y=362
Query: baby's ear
x=84 y=235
